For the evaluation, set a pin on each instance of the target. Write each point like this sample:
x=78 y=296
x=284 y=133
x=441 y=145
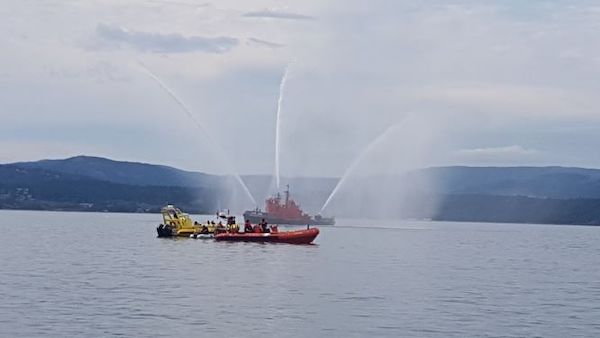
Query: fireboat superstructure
x=285 y=212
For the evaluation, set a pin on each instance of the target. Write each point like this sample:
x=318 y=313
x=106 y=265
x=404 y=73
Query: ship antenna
x=287 y=194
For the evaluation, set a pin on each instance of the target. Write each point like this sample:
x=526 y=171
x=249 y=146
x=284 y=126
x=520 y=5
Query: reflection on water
x=85 y=274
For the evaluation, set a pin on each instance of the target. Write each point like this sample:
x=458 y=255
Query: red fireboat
x=285 y=212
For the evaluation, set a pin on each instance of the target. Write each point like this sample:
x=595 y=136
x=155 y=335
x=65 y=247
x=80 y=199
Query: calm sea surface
x=102 y=275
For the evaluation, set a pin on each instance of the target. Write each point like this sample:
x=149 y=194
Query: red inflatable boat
x=292 y=237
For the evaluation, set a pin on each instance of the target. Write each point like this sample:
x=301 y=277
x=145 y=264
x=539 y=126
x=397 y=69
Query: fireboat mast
x=287 y=194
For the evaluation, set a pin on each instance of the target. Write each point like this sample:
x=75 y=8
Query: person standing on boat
x=247 y=226
x=263 y=225
x=221 y=228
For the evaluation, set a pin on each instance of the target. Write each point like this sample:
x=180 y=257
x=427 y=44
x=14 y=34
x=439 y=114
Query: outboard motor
x=164 y=231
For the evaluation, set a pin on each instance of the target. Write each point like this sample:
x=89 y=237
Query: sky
x=391 y=85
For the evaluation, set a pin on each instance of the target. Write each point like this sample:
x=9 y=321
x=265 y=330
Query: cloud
x=276 y=14
x=509 y=99
x=178 y=3
x=165 y=43
x=485 y=74
x=512 y=150
x=264 y=43
x=503 y=154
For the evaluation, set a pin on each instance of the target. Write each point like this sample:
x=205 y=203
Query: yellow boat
x=179 y=224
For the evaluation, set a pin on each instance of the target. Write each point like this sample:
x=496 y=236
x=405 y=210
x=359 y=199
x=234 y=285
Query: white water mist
x=278 y=123
x=208 y=136
x=357 y=161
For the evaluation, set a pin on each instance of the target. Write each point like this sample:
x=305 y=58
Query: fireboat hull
x=257 y=217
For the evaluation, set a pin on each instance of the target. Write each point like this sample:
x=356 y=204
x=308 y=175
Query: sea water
x=103 y=275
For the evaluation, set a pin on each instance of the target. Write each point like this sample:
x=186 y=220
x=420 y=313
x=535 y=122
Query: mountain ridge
x=126 y=172
x=552 y=194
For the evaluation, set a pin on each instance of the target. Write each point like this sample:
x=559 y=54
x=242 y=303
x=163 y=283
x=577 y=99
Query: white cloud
x=165 y=43
x=509 y=150
x=265 y=43
x=277 y=14
x=506 y=155
x=469 y=69
x=509 y=100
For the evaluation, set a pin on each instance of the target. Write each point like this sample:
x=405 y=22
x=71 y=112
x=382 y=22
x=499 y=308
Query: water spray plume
x=181 y=104
x=208 y=136
x=357 y=161
x=278 y=121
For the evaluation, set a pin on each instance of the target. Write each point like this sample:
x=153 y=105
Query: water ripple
x=431 y=279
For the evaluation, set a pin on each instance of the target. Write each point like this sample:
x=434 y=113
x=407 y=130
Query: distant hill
x=546 y=182
x=132 y=173
x=40 y=189
x=490 y=194
x=518 y=209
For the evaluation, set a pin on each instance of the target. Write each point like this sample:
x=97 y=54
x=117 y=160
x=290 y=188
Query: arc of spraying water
x=278 y=121
x=188 y=112
x=356 y=161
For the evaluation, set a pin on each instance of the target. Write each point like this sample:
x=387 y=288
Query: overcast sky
x=464 y=82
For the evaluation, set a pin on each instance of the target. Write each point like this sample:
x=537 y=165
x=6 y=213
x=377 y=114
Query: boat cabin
x=175 y=217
